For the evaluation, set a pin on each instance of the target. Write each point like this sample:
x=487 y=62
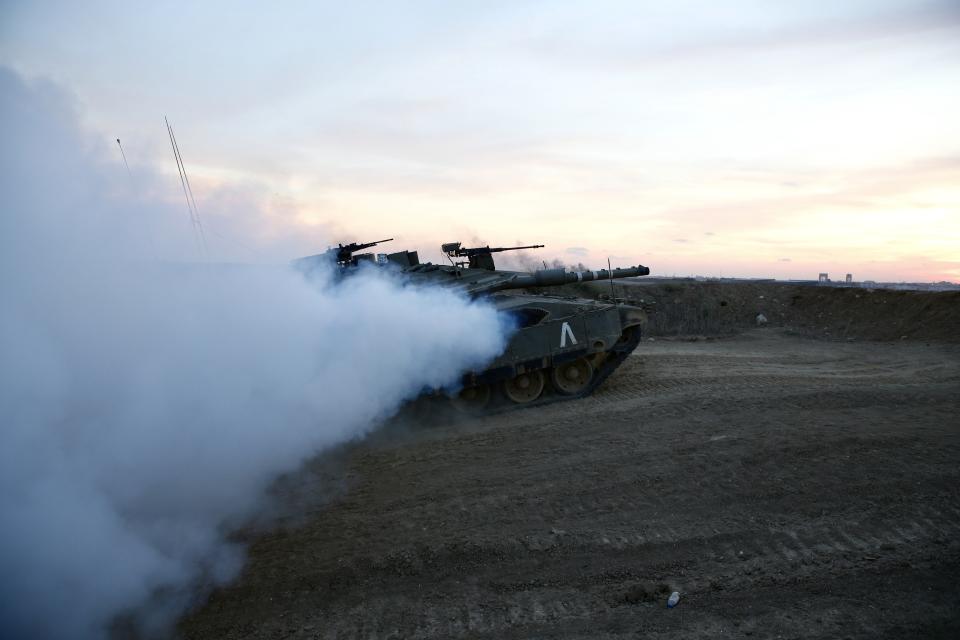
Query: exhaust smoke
x=146 y=405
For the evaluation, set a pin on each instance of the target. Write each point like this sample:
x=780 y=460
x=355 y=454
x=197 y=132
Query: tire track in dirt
x=786 y=487
x=777 y=557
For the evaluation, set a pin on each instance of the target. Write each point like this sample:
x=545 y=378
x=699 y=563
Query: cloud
x=858 y=189
x=923 y=20
x=580 y=252
x=146 y=401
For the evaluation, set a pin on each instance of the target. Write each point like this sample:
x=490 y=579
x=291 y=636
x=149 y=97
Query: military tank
x=563 y=347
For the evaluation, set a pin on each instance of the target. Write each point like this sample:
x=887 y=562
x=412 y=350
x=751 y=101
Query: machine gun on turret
x=478 y=257
x=344 y=253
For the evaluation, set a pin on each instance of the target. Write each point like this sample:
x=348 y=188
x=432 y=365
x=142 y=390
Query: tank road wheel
x=572 y=377
x=472 y=399
x=525 y=387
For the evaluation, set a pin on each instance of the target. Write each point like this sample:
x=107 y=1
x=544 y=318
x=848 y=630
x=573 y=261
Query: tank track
x=434 y=407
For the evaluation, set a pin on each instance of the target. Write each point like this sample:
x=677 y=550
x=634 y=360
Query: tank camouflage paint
x=563 y=347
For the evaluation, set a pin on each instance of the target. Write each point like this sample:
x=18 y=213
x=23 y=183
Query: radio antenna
x=613 y=297
x=187 y=193
x=124 y=156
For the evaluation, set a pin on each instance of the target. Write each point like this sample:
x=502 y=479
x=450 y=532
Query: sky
x=753 y=139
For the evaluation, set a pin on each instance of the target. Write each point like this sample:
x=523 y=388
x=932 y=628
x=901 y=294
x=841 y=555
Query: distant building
x=824 y=277
x=849 y=278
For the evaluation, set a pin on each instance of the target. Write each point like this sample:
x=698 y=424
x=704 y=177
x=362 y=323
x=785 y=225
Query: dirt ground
x=787 y=487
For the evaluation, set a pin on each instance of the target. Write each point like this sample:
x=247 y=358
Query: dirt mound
x=710 y=308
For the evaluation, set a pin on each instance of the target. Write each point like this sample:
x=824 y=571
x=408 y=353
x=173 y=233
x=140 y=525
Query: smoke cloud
x=147 y=403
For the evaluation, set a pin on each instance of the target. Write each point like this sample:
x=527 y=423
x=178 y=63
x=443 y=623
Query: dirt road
x=786 y=487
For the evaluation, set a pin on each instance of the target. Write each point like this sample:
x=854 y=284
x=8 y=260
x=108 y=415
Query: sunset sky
x=737 y=139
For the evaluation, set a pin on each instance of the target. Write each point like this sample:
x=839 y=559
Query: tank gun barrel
x=527 y=246
x=475 y=251
x=556 y=277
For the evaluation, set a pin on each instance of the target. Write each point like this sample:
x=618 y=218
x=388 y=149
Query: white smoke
x=146 y=406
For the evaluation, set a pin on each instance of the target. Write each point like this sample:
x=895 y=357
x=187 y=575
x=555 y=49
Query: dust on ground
x=786 y=487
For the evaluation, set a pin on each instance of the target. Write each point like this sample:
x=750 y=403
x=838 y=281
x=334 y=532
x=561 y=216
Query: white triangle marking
x=565 y=331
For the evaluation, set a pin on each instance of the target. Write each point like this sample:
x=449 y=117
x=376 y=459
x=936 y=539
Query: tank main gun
x=344 y=252
x=478 y=257
x=557 y=277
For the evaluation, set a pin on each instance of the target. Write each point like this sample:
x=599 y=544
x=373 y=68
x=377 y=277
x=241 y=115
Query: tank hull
x=555 y=334
x=570 y=329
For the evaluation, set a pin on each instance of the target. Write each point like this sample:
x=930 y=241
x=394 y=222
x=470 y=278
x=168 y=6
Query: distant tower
x=849 y=278
x=824 y=277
